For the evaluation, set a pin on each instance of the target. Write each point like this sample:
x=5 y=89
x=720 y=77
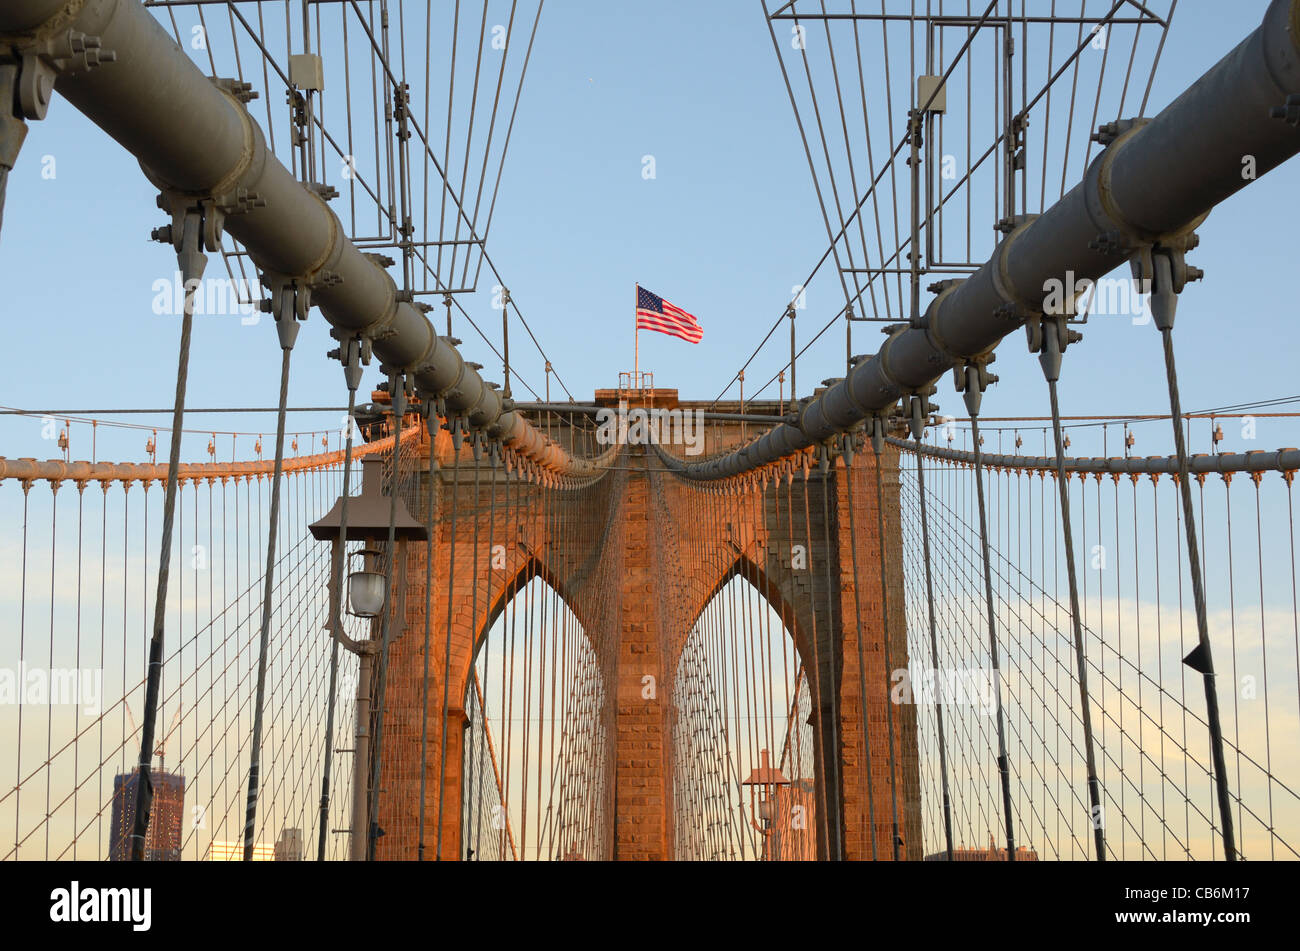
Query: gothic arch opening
x=536 y=783
x=744 y=757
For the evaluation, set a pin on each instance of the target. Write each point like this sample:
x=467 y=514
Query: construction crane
x=160 y=748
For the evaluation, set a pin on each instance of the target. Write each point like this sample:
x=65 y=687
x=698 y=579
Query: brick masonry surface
x=637 y=557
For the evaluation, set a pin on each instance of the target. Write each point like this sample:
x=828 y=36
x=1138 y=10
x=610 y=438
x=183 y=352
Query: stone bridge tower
x=637 y=556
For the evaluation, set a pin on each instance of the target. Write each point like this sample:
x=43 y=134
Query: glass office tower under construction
x=163 y=842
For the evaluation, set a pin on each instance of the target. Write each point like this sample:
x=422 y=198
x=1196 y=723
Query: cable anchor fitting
x=1162 y=271
x=349 y=354
x=1049 y=337
x=289 y=303
x=186 y=235
x=921 y=408
x=973 y=379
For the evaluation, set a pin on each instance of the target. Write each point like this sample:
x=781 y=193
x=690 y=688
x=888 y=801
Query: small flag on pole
x=655 y=313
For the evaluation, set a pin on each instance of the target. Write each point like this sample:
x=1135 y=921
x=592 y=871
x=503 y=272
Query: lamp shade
x=366 y=594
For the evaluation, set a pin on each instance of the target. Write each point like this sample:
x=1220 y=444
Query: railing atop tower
x=636 y=386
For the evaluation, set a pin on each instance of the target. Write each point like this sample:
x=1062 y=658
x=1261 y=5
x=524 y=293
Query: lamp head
x=367 y=588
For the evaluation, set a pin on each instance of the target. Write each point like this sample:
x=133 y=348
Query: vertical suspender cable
x=815 y=681
x=1164 y=302
x=484 y=752
x=192 y=262
x=1055 y=337
x=918 y=414
x=430 y=422
x=974 y=385
x=878 y=446
x=350 y=354
x=809 y=663
x=286 y=326
x=833 y=648
x=868 y=783
x=398 y=391
x=456 y=434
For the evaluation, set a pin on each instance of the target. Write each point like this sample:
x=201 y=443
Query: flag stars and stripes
x=655 y=313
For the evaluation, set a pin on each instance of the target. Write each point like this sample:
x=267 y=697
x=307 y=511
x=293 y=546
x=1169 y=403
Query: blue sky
x=725 y=230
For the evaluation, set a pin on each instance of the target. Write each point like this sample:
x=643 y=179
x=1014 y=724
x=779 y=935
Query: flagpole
x=636 y=333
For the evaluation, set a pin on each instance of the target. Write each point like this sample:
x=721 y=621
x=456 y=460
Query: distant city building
x=991 y=854
x=288 y=848
x=221 y=851
x=163 y=841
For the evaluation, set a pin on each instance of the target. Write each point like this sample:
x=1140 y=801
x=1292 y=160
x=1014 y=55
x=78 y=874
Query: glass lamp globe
x=367 y=588
x=366 y=594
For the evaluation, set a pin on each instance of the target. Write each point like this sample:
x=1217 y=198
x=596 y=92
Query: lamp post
x=368 y=598
x=764 y=784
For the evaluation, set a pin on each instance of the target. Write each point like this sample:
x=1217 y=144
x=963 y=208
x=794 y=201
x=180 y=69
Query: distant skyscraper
x=163 y=841
x=221 y=851
x=288 y=848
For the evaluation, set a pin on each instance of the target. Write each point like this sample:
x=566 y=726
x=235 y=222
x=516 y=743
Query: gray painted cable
x=1076 y=620
x=255 y=753
x=934 y=652
x=144 y=788
x=1198 y=595
x=398 y=389
x=430 y=420
x=446 y=668
x=862 y=668
x=1004 y=766
x=336 y=608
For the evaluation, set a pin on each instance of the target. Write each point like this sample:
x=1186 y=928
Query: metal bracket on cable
x=197 y=224
x=972 y=379
x=920 y=408
x=1162 y=270
x=823 y=459
x=41 y=63
x=1049 y=337
x=349 y=353
x=184 y=234
x=878 y=434
x=456 y=425
x=852 y=440
x=425 y=410
x=297 y=103
x=290 y=303
x=400 y=389
x=364 y=345
x=13 y=127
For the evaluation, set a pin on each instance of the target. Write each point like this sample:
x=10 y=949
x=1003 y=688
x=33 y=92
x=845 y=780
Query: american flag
x=655 y=313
